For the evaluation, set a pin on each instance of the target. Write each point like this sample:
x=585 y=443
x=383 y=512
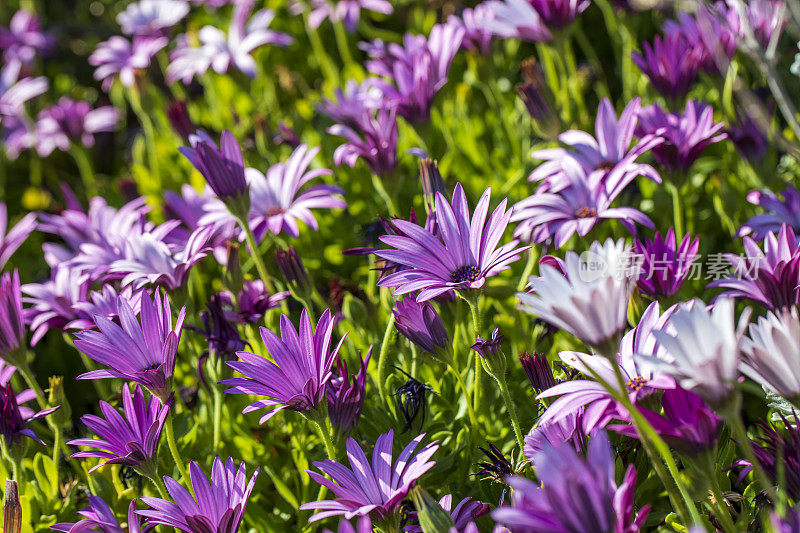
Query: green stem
x=533 y=256
x=677 y=216
x=377 y=182
x=173 y=448
x=15 y=470
x=330 y=449
x=720 y=510
x=256 y=255
x=740 y=434
x=81 y=157
x=473 y=420
x=382 y=358
x=149 y=135
x=158 y=486
x=512 y=411
x=217 y=418
x=57 y=440
x=474 y=306
x=342 y=44
x=25 y=369
x=323 y=60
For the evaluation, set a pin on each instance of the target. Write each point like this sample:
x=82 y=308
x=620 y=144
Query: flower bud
x=432 y=518
x=539 y=372
x=55 y=397
x=12 y=509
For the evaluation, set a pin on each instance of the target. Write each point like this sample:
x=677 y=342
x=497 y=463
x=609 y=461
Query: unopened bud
x=178 y=115
x=291 y=266
x=234 y=279
x=537 y=97
x=539 y=372
x=55 y=398
x=12 y=509
x=432 y=518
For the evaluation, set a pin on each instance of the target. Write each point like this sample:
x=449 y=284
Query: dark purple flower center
x=605 y=166
x=586 y=212
x=636 y=384
x=275 y=211
x=465 y=273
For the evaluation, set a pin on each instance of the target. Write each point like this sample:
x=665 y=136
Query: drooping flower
x=589 y=304
x=298 y=378
x=119 y=57
x=578 y=495
x=15 y=417
x=704 y=346
x=219 y=51
x=573 y=209
x=538 y=370
x=422 y=325
x=465 y=513
x=53 y=301
x=99 y=515
x=770 y=277
x=375 y=489
x=607 y=158
x=685 y=135
x=12 y=320
x=104 y=302
x=749 y=138
x=24 y=38
x=70 y=121
x=345 y=397
x=13 y=239
x=348 y=12
x=558 y=14
x=671 y=63
x=517 y=19
x=771 y=354
x=140 y=351
x=663 y=264
x=128 y=439
x=291 y=266
x=223 y=167
x=782 y=210
x=151 y=17
x=460 y=256
x=14 y=92
x=418 y=69
x=475 y=21
x=554 y=433
x=218 y=507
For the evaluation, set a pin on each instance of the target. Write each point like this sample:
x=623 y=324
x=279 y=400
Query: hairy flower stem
x=323 y=60
x=720 y=510
x=387 y=334
x=149 y=136
x=677 y=216
x=474 y=305
x=176 y=455
x=15 y=469
x=81 y=157
x=512 y=410
x=733 y=418
x=325 y=435
x=25 y=369
x=256 y=255
x=342 y=44
x=473 y=420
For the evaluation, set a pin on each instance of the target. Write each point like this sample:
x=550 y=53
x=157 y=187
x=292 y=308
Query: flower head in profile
x=218 y=505
x=769 y=277
x=223 y=167
x=685 y=135
x=373 y=138
x=151 y=17
x=53 y=301
x=219 y=51
x=299 y=375
x=120 y=58
x=703 y=347
x=348 y=12
x=475 y=21
x=577 y=494
x=253 y=301
x=70 y=121
x=771 y=353
x=749 y=137
x=13 y=238
x=141 y=351
x=15 y=91
x=99 y=516
x=104 y=302
x=15 y=418
x=783 y=209
x=346 y=397
x=671 y=63
x=24 y=39
x=128 y=439
x=554 y=433
x=12 y=318
x=713 y=31
x=376 y=489
x=460 y=256
x=517 y=19
x=538 y=370
x=591 y=305
x=664 y=264
x=422 y=325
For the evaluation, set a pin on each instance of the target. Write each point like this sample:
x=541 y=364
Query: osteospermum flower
x=461 y=255
x=422 y=325
x=223 y=167
x=685 y=135
x=346 y=397
x=558 y=14
x=713 y=31
x=140 y=351
x=253 y=301
x=671 y=63
x=375 y=489
x=218 y=506
x=13 y=239
x=119 y=57
x=70 y=121
x=517 y=19
x=475 y=21
x=783 y=209
x=104 y=302
x=12 y=319
x=14 y=92
x=348 y=12
x=373 y=138
x=663 y=264
x=567 y=479
x=99 y=517
x=778 y=452
x=16 y=418
x=771 y=354
x=704 y=347
x=588 y=301
x=302 y=369
x=23 y=39
x=150 y=17
x=770 y=277
x=566 y=430
x=219 y=51
x=749 y=138
x=53 y=301
x=128 y=439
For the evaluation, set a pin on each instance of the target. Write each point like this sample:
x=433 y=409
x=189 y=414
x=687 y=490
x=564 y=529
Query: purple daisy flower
x=14 y=92
x=555 y=433
x=460 y=256
x=608 y=158
x=219 y=51
x=783 y=210
x=364 y=525
x=17 y=134
x=421 y=324
x=119 y=57
x=663 y=264
x=714 y=31
x=300 y=374
x=346 y=398
x=517 y=19
x=475 y=21
x=576 y=208
x=671 y=63
x=12 y=319
x=99 y=515
x=373 y=138
x=418 y=68
x=15 y=417
x=128 y=439
x=771 y=354
x=151 y=17
x=375 y=489
x=53 y=301
x=766 y=17
x=218 y=507
x=462 y=515
x=578 y=494
x=253 y=301
x=789 y=523
x=24 y=38
x=70 y=121
x=749 y=138
x=771 y=277
x=346 y=11
x=223 y=167
x=140 y=351
x=13 y=239
x=558 y=14
x=778 y=452
x=685 y=135
x=104 y=302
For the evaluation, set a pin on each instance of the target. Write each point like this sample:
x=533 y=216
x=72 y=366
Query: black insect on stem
x=411 y=400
